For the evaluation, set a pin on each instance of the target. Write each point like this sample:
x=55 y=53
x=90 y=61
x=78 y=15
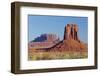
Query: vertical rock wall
x=71 y=32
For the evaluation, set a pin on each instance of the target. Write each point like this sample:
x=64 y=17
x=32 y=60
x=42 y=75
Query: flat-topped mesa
x=71 y=32
x=44 y=41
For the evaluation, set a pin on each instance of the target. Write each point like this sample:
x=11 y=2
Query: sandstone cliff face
x=71 y=32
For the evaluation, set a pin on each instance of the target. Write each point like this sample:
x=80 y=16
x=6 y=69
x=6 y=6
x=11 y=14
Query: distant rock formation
x=44 y=41
x=71 y=40
x=46 y=38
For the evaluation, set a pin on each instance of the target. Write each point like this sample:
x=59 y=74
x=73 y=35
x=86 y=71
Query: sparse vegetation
x=43 y=55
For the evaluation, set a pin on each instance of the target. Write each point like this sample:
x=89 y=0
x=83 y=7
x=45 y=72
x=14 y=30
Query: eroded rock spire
x=71 y=32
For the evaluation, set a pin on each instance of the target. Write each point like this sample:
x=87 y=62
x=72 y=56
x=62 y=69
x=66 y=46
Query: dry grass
x=43 y=55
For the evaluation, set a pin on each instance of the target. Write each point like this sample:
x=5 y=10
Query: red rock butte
x=71 y=41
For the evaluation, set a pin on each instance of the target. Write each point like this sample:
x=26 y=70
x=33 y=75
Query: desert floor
x=51 y=55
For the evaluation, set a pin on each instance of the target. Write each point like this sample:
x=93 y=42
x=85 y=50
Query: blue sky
x=39 y=24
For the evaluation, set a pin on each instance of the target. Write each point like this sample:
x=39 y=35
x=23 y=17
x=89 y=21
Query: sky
x=41 y=24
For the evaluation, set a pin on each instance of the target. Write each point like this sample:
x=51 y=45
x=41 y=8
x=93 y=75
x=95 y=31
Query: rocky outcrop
x=71 y=40
x=69 y=45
